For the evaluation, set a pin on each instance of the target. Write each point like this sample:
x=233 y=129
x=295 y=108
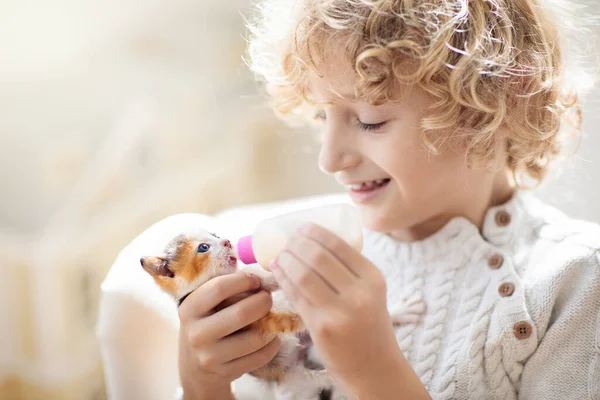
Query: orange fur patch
x=189 y=264
x=167 y=284
x=185 y=262
x=279 y=322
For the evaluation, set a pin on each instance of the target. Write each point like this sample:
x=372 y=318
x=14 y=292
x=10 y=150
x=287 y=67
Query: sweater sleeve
x=566 y=364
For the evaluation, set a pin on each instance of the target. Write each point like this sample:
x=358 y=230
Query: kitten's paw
x=408 y=311
x=279 y=322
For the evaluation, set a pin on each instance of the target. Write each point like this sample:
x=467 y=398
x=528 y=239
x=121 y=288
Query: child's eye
x=321 y=116
x=370 y=127
x=203 y=248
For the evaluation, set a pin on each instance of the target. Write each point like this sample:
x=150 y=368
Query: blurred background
x=115 y=114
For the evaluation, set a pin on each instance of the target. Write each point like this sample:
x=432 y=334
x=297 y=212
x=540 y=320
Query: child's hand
x=341 y=296
x=211 y=355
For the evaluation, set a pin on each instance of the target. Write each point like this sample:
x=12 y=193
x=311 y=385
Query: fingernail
x=273 y=264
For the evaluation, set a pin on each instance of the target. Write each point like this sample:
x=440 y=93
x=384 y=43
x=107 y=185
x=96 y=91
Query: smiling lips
x=368 y=185
x=368 y=191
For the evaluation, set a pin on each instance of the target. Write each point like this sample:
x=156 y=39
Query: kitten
x=190 y=261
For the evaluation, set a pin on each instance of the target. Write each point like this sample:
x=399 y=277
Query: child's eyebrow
x=323 y=103
x=349 y=97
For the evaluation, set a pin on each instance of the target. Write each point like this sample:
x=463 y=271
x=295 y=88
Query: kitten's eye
x=203 y=248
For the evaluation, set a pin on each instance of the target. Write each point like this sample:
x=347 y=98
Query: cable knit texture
x=527 y=327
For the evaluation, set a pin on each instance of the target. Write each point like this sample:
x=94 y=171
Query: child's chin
x=375 y=221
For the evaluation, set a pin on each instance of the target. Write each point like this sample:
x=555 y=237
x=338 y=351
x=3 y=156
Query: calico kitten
x=189 y=261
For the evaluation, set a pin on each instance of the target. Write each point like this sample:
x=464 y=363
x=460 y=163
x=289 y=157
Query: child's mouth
x=362 y=192
x=369 y=186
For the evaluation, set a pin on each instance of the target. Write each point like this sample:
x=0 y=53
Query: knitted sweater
x=513 y=311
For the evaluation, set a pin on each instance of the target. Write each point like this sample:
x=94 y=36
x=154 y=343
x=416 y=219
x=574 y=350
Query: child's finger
x=235 y=346
x=235 y=299
x=203 y=300
x=254 y=360
x=292 y=292
x=235 y=317
x=334 y=244
x=321 y=260
x=306 y=280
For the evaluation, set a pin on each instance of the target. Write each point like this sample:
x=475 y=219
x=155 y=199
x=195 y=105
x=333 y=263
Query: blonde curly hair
x=487 y=64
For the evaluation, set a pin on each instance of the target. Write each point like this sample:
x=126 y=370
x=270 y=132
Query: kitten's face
x=188 y=262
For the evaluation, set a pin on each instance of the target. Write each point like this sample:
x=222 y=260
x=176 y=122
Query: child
x=437 y=116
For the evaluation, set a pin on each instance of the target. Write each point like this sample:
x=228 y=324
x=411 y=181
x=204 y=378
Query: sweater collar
x=459 y=236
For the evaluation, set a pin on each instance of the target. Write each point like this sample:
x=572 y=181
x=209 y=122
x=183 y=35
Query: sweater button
x=506 y=289
x=522 y=330
x=495 y=261
x=502 y=218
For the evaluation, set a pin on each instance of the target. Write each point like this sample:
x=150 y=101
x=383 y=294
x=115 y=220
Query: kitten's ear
x=157 y=266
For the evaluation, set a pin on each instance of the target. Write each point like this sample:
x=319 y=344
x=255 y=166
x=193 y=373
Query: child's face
x=424 y=190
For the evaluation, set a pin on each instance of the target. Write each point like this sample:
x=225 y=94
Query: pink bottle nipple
x=245 y=251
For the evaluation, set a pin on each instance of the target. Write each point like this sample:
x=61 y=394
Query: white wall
x=576 y=190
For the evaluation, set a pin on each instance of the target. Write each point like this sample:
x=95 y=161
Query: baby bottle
x=270 y=236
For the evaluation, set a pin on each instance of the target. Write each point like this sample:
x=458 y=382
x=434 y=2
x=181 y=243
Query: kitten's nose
x=226 y=243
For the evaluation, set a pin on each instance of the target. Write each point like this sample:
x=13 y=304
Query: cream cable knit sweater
x=512 y=312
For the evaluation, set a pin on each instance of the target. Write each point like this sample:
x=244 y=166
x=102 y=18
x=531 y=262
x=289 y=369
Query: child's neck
x=494 y=192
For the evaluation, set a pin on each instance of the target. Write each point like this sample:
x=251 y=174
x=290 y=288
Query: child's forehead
x=334 y=79
x=337 y=84
x=333 y=82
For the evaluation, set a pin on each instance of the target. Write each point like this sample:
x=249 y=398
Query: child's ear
x=157 y=267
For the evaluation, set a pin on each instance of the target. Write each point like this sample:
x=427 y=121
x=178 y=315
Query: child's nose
x=335 y=156
x=226 y=243
x=338 y=149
